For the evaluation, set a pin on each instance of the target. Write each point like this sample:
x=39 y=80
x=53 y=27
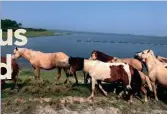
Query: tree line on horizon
x=12 y=24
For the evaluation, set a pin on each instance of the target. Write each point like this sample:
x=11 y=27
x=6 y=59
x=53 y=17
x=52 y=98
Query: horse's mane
x=26 y=49
x=102 y=56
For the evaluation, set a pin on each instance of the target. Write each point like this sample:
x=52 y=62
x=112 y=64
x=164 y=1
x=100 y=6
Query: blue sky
x=144 y=18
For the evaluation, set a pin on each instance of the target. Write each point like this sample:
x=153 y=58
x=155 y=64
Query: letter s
x=20 y=37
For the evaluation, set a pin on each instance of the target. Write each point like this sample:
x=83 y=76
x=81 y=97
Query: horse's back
x=100 y=70
x=50 y=60
x=61 y=56
x=133 y=62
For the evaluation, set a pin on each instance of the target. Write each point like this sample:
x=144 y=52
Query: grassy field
x=33 y=34
x=43 y=96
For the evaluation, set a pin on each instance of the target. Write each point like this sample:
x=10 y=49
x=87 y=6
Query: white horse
x=102 y=71
x=156 y=70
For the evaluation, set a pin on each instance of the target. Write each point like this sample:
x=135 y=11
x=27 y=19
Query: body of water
x=82 y=44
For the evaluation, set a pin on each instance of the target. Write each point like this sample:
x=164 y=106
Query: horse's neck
x=27 y=54
x=151 y=61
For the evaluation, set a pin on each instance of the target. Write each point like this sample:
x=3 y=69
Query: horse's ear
x=148 y=51
x=16 y=48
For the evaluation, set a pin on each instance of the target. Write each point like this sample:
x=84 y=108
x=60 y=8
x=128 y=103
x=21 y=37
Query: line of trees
x=12 y=24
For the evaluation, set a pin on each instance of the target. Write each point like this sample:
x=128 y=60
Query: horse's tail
x=149 y=83
x=137 y=80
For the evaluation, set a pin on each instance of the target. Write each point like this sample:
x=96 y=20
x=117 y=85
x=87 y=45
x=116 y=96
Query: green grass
x=33 y=34
x=28 y=97
x=30 y=34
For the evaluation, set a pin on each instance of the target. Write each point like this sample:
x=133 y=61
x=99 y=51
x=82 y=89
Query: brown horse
x=97 y=55
x=15 y=72
x=99 y=70
x=46 y=61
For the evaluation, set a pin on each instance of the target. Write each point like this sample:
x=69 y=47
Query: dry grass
x=43 y=96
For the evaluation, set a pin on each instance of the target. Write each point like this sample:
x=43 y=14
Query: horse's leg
x=38 y=73
x=145 y=93
x=130 y=99
x=87 y=77
x=123 y=91
x=75 y=75
x=59 y=75
x=120 y=94
x=154 y=90
x=93 y=88
x=15 y=83
x=34 y=73
x=67 y=76
x=115 y=87
x=85 y=82
x=101 y=88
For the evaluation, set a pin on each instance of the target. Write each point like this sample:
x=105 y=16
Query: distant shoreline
x=34 y=34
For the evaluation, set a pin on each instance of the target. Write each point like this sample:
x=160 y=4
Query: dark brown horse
x=15 y=72
x=97 y=55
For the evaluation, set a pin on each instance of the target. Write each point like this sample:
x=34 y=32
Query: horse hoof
x=55 y=83
x=156 y=99
x=130 y=102
x=90 y=98
x=65 y=82
x=106 y=94
x=145 y=101
x=76 y=84
x=118 y=97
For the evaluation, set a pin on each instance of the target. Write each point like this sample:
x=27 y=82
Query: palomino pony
x=97 y=55
x=156 y=70
x=107 y=72
x=15 y=72
x=46 y=61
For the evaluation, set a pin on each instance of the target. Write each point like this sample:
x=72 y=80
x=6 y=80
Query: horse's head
x=16 y=53
x=76 y=64
x=143 y=55
x=94 y=55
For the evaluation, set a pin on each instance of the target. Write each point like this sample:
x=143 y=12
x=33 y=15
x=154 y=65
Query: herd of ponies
x=100 y=67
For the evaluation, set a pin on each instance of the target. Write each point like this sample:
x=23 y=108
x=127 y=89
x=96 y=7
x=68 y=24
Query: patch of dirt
x=90 y=110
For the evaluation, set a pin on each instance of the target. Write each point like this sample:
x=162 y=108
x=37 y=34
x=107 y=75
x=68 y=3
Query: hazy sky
x=145 y=18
